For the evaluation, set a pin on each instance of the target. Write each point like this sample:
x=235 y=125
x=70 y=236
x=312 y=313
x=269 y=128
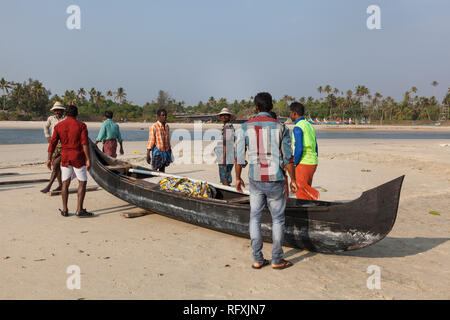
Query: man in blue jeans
x=269 y=148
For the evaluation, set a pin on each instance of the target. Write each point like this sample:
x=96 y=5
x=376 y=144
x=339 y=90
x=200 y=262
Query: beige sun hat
x=225 y=111
x=58 y=106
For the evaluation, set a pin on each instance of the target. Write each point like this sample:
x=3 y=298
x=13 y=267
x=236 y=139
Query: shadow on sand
x=387 y=248
x=397 y=247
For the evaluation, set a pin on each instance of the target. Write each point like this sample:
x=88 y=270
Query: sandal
x=262 y=264
x=64 y=213
x=84 y=213
x=283 y=265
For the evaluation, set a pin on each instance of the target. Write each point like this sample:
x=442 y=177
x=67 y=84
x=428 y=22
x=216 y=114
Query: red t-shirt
x=73 y=134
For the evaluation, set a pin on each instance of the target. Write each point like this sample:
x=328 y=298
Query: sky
x=233 y=49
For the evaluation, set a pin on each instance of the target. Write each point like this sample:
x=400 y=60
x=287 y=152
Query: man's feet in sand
x=45 y=190
x=58 y=189
x=282 y=265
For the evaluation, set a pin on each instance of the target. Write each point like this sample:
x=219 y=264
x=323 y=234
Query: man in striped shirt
x=269 y=149
x=159 y=151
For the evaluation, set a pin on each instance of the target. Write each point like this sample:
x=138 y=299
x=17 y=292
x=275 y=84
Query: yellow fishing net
x=194 y=189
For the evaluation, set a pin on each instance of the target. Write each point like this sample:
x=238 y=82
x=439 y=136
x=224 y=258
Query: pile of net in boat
x=191 y=188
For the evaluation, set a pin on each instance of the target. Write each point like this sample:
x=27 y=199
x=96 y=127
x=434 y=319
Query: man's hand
x=148 y=158
x=121 y=151
x=88 y=164
x=294 y=186
x=49 y=165
x=239 y=184
x=49 y=139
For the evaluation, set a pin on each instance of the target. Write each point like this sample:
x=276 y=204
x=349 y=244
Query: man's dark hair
x=72 y=111
x=158 y=113
x=108 y=114
x=263 y=101
x=298 y=108
x=273 y=115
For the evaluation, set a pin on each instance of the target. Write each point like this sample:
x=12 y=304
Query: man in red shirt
x=75 y=162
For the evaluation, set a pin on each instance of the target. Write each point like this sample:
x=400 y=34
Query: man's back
x=269 y=147
x=73 y=135
x=109 y=130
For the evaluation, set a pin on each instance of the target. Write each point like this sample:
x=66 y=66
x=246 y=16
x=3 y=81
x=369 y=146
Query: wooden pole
x=23 y=181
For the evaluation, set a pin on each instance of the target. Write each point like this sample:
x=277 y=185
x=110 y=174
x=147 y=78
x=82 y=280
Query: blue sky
x=200 y=48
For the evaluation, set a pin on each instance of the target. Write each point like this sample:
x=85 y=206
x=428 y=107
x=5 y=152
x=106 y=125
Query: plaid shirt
x=225 y=147
x=159 y=136
x=269 y=147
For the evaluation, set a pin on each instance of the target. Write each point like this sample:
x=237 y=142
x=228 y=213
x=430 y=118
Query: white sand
x=154 y=257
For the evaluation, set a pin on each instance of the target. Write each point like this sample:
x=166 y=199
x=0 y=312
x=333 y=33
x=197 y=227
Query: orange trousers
x=304 y=175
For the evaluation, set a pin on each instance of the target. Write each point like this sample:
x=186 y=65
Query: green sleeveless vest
x=309 y=155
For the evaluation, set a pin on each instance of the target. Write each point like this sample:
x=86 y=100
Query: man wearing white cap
x=225 y=147
x=52 y=121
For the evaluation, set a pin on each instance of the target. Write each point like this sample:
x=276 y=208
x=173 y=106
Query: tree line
x=30 y=100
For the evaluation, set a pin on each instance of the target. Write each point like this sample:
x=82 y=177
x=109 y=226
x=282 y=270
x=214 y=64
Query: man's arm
x=51 y=147
x=298 y=147
x=150 y=143
x=47 y=125
x=101 y=134
x=288 y=159
x=85 y=144
x=119 y=139
x=240 y=155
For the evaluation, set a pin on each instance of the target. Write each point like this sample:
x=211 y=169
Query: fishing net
x=184 y=185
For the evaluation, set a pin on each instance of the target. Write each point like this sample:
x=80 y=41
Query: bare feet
x=45 y=190
x=58 y=189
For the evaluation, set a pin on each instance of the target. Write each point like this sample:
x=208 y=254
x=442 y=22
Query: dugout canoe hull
x=317 y=226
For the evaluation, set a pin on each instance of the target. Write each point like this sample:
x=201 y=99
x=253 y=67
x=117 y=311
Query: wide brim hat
x=58 y=106
x=225 y=111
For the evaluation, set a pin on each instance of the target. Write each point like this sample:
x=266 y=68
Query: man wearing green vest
x=304 y=145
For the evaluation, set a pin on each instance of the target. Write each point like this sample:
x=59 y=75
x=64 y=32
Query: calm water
x=34 y=136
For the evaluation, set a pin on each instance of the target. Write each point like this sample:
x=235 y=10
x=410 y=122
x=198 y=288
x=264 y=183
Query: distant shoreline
x=190 y=126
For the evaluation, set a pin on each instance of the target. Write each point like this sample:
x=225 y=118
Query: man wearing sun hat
x=58 y=116
x=225 y=148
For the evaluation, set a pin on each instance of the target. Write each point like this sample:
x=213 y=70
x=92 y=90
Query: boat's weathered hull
x=317 y=226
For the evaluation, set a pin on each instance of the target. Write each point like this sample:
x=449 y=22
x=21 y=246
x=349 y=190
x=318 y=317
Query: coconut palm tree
x=92 y=93
x=5 y=86
x=109 y=93
x=120 y=95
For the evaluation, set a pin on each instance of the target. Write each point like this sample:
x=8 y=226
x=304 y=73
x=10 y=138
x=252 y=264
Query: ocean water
x=36 y=136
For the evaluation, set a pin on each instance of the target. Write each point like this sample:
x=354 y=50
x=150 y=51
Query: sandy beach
x=153 y=257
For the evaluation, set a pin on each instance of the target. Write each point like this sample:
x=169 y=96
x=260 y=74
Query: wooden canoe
x=318 y=226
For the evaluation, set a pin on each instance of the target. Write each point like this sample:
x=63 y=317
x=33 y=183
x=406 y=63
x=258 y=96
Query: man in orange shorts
x=304 y=144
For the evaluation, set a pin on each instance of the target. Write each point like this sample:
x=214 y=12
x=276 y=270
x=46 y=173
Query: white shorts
x=70 y=172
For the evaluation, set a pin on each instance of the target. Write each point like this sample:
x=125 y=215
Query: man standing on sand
x=110 y=134
x=159 y=151
x=52 y=121
x=305 y=148
x=269 y=148
x=75 y=160
x=225 y=148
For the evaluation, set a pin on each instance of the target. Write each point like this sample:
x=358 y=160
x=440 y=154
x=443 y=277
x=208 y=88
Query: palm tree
x=99 y=98
x=92 y=93
x=120 y=95
x=109 y=93
x=4 y=86
x=320 y=90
